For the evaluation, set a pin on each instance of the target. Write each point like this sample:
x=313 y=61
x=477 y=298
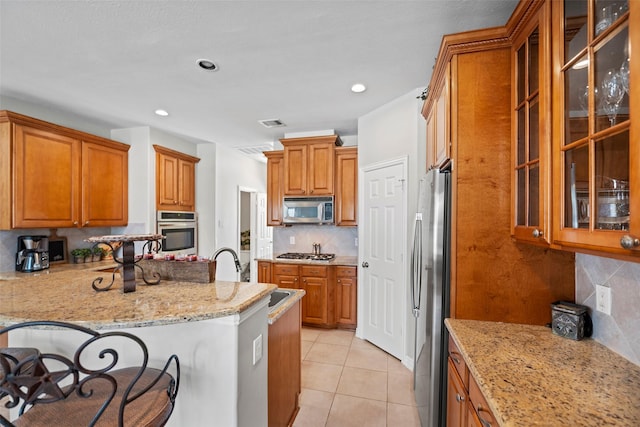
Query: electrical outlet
x=603 y=299
x=257 y=349
x=292 y=240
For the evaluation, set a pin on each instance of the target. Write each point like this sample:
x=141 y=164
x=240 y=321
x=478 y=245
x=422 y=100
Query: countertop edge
x=280 y=311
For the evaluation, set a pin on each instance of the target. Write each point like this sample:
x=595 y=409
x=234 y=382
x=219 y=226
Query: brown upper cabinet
x=346 y=183
x=175 y=180
x=275 y=185
x=309 y=165
x=531 y=127
x=313 y=166
x=56 y=177
x=437 y=117
x=595 y=165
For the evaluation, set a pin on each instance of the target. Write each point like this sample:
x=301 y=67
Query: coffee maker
x=33 y=253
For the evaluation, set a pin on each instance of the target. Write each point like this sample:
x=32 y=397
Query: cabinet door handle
x=339 y=281
x=75 y=222
x=629 y=242
x=86 y=223
x=484 y=422
x=454 y=356
x=459 y=398
x=537 y=233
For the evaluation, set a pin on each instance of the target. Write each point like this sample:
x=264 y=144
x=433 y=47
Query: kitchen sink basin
x=278 y=297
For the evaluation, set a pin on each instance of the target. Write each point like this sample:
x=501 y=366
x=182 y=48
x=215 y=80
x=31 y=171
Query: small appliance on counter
x=571 y=320
x=33 y=253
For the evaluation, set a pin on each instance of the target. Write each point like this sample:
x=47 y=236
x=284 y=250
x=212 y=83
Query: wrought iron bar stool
x=88 y=389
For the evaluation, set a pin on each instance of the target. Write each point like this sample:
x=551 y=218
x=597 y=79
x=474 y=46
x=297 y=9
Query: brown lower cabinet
x=284 y=368
x=466 y=406
x=331 y=291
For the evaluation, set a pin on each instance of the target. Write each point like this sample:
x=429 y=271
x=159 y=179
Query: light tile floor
x=347 y=381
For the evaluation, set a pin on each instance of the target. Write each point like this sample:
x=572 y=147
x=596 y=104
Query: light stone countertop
x=65 y=294
x=531 y=377
x=349 y=261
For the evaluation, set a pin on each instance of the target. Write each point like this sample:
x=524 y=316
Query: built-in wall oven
x=179 y=232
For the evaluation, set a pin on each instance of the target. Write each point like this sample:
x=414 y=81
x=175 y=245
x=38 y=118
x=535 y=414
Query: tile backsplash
x=621 y=330
x=337 y=240
x=75 y=239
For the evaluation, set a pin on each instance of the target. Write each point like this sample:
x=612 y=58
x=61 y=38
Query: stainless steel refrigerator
x=430 y=262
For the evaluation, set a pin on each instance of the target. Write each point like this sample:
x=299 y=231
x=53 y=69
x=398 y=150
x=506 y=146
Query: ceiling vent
x=271 y=123
x=255 y=151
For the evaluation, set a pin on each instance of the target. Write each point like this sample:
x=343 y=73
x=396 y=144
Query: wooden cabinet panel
x=595 y=140
x=284 y=370
x=437 y=117
x=47 y=192
x=102 y=201
x=309 y=165
x=275 y=186
x=314 y=303
x=286 y=276
x=295 y=178
x=346 y=296
x=187 y=185
x=321 y=162
x=442 y=150
x=456 y=399
x=531 y=135
x=346 y=186
x=264 y=272
x=55 y=177
x=486 y=417
x=175 y=180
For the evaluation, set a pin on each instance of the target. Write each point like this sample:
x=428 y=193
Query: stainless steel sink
x=278 y=297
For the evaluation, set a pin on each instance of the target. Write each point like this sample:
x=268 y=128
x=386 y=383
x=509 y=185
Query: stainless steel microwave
x=307 y=210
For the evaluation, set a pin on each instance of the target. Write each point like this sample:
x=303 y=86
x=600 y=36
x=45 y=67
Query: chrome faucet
x=232 y=252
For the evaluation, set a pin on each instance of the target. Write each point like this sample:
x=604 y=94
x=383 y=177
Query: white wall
x=233 y=170
x=397 y=130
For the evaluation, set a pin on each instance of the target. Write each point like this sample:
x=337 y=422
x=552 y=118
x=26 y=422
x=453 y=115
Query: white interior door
x=383 y=242
x=263 y=243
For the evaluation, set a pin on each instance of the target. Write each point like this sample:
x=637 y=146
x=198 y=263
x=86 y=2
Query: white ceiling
x=118 y=61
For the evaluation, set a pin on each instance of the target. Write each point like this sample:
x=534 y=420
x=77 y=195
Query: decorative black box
x=570 y=320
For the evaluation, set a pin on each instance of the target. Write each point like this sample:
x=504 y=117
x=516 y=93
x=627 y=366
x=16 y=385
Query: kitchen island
x=213 y=328
x=529 y=376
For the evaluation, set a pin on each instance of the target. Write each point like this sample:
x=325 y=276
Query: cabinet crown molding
x=174 y=153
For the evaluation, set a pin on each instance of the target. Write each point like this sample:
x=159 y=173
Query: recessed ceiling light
x=162 y=113
x=207 y=64
x=358 y=88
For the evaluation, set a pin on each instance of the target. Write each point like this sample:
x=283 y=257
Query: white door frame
x=403 y=161
x=252 y=227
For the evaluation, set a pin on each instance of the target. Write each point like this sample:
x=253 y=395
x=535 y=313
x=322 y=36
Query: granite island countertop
x=66 y=295
x=530 y=376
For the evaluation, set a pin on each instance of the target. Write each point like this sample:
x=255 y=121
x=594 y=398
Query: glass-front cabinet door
x=531 y=152
x=595 y=157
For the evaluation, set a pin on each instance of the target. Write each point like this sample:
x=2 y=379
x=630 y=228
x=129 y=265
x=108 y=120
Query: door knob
x=629 y=242
x=365 y=264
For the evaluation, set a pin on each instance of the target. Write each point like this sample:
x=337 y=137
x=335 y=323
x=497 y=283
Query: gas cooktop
x=307 y=257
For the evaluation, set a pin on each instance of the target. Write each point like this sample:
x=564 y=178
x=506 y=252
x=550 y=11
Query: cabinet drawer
x=458 y=362
x=285 y=269
x=480 y=404
x=346 y=271
x=313 y=271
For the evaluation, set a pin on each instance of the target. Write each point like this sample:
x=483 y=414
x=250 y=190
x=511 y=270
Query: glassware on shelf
x=612 y=94
x=605 y=19
x=624 y=75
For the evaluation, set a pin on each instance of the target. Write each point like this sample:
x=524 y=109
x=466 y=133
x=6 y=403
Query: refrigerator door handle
x=416 y=266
